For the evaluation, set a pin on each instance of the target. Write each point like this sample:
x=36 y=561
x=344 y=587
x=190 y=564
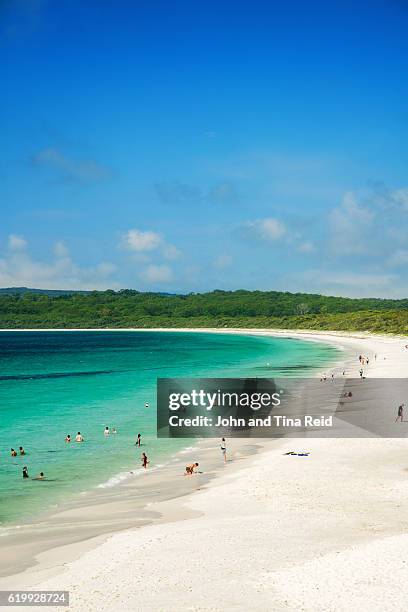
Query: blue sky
x=189 y=146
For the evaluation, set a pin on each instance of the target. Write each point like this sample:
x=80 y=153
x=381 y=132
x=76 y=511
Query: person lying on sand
x=190 y=469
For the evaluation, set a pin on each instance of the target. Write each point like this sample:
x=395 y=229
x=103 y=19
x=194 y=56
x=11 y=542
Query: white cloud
x=16 y=242
x=139 y=241
x=61 y=249
x=19 y=269
x=268 y=229
x=157 y=274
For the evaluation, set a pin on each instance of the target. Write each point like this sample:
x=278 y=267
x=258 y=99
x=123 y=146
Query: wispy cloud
x=222 y=261
x=157 y=274
x=18 y=268
x=178 y=194
x=350 y=227
x=16 y=242
x=268 y=229
x=140 y=243
x=85 y=170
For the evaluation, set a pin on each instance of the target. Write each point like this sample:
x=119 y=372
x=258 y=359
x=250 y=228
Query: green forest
x=256 y=309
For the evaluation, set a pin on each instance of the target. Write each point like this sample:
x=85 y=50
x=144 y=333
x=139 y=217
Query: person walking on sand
x=144 y=460
x=190 y=469
x=224 y=449
x=400 y=413
x=79 y=437
x=139 y=440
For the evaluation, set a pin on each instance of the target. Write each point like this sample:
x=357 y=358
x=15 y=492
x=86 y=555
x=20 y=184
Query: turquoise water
x=57 y=383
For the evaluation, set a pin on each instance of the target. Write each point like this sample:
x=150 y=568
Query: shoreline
x=54 y=562
x=105 y=498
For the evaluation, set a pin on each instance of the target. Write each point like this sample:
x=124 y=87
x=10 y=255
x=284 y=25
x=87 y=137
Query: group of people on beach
x=364 y=360
x=79 y=438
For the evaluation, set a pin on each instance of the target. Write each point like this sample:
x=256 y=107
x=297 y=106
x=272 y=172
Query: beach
x=265 y=531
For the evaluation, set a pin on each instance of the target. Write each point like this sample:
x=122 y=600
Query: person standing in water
x=144 y=460
x=139 y=440
x=68 y=438
x=106 y=432
x=400 y=413
x=13 y=453
x=25 y=472
x=224 y=449
x=79 y=437
x=22 y=451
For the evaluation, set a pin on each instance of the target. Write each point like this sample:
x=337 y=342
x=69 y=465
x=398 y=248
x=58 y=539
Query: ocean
x=58 y=383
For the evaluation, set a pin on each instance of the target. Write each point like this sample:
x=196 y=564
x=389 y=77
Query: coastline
x=214 y=503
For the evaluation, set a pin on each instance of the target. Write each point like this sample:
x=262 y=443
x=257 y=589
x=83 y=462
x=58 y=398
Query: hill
x=129 y=308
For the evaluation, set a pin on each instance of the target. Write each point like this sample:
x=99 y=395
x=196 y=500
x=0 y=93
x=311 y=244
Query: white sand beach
x=270 y=532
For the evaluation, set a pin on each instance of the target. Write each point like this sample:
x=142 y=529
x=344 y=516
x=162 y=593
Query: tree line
x=129 y=308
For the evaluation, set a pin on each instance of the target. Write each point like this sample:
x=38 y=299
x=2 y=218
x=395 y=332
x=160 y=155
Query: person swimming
x=68 y=438
x=25 y=472
x=114 y=430
x=79 y=437
x=190 y=469
x=40 y=476
x=13 y=453
x=22 y=451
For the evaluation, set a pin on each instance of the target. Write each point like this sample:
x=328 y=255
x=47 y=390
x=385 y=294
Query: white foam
x=122 y=476
x=115 y=480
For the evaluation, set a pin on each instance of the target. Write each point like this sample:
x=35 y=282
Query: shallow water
x=57 y=383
